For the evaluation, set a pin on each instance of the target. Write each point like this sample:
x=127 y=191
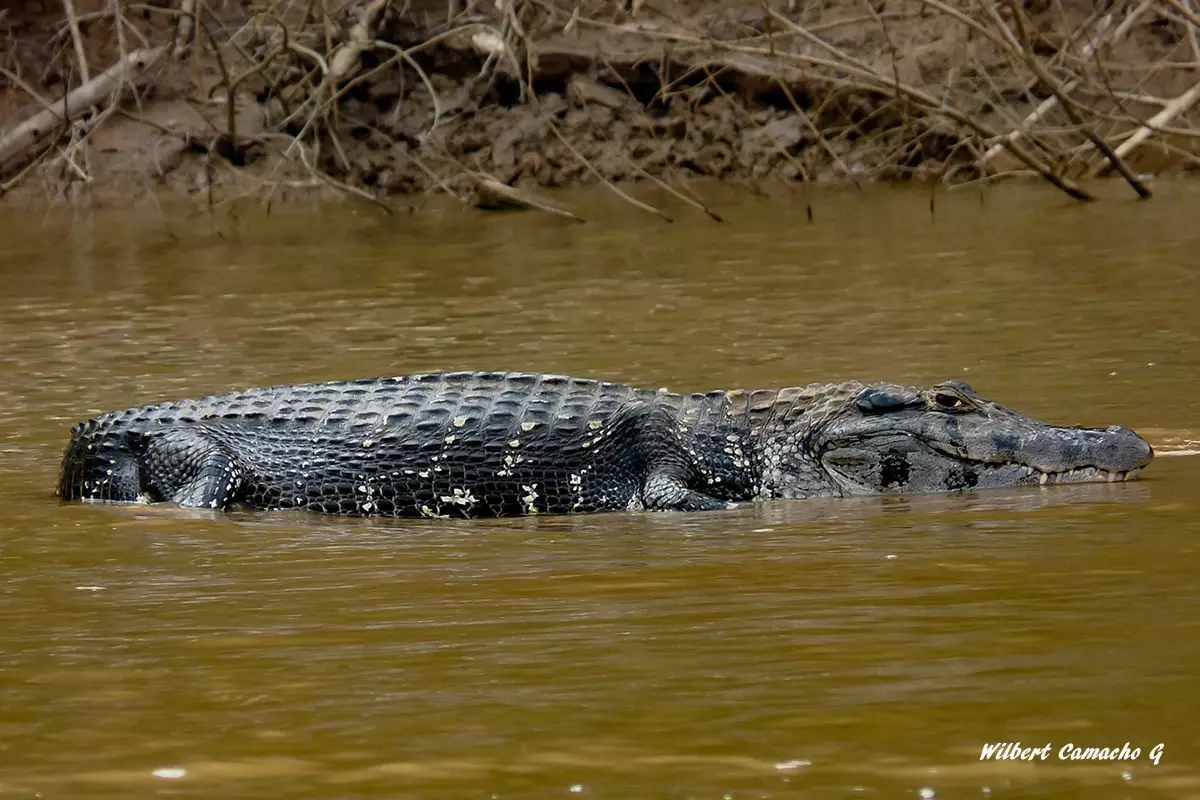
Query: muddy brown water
x=798 y=649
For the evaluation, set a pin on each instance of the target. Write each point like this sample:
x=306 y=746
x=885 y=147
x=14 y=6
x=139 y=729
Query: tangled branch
x=374 y=97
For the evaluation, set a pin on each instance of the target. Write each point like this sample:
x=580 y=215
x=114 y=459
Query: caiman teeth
x=1088 y=474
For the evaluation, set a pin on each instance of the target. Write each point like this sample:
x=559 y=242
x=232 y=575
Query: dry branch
x=762 y=60
x=1068 y=105
x=129 y=70
x=492 y=195
x=184 y=27
x=77 y=39
x=1099 y=39
x=609 y=184
x=929 y=89
x=1173 y=109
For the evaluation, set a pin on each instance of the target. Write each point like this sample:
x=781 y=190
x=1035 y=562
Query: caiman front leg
x=667 y=471
x=190 y=467
x=664 y=490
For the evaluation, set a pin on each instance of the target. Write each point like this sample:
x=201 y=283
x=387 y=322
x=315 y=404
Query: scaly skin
x=509 y=444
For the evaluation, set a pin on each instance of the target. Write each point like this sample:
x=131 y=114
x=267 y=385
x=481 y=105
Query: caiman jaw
x=1082 y=475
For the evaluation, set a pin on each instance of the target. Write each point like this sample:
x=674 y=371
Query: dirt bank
x=380 y=98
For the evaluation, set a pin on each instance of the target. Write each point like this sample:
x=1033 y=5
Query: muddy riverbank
x=380 y=99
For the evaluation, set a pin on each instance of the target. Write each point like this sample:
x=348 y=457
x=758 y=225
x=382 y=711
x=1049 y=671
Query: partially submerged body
x=508 y=444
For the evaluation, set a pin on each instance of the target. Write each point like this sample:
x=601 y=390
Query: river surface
x=833 y=648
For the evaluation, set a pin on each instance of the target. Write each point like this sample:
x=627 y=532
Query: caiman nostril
x=1127 y=447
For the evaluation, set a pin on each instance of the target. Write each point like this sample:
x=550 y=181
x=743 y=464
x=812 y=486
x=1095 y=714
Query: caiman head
x=890 y=439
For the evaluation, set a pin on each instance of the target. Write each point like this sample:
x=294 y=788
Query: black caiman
x=484 y=444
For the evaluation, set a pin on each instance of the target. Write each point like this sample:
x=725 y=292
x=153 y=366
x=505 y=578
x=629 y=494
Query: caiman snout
x=1118 y=449
x=1078 y=454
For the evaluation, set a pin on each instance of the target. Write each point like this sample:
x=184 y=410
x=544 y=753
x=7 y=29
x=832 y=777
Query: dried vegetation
x=490 y=99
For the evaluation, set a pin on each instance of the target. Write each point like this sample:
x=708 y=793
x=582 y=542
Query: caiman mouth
x=1081 y=475
x=902 y=461
x=1029 y=474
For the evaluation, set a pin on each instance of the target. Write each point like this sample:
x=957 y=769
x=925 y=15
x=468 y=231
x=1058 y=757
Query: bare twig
x=25 y=87
x=183 y=27
x=881 y=84
x=714 y=216
x=884 y=94
x=1173 y=109
x=595 y=172
x=494 y=195
x=77 y=38
x=82 y=132
x=1051 y=83
x=230 y=94
x=130 y=70
x=15 y=181
x=1184 y=11
x=433 y=95
x=1100 y=38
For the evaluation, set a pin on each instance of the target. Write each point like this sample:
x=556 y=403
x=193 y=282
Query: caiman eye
x=949 y=402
